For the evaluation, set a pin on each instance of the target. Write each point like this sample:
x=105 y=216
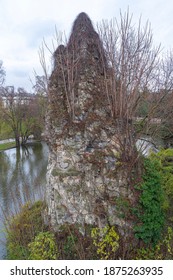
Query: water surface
x=22 y=177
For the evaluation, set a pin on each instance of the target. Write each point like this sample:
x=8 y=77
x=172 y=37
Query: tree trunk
x=17 y=140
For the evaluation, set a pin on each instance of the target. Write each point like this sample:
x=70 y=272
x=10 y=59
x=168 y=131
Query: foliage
x=5 y=130
x=43 y=247
x=106 y=241
x=165 y=160
x=123 y=207
x=69 y=246
x=69 y=243
x=72 y=244
x=22 y=114
x=166 y=245
x=149 y=212
x=163 y=250
x=147 y=254
x=24 y=243
x=15 y=251
x=22 y=229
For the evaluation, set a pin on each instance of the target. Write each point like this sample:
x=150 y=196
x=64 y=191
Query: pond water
x=22 y=178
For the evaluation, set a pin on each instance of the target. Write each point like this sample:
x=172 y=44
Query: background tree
x=40 y=86
x=11 y=112
x=2 y=79
x=22 y=113
x=40 y=90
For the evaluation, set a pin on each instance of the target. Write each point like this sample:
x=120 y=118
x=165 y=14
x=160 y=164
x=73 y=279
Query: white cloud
x=25 y=23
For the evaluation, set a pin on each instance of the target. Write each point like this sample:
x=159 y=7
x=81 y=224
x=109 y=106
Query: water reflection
x=22 y=177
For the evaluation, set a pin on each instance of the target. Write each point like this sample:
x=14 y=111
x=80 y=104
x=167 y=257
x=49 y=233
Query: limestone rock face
x=83 y=178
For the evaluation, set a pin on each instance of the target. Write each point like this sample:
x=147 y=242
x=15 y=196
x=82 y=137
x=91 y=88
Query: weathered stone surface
x=83 y=177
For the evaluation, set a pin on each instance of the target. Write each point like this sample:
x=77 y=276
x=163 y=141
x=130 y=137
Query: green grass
x=6 y=146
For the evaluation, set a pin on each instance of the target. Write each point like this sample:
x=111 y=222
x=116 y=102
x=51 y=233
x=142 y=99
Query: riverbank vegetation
x=6 y=146
x=28 y=235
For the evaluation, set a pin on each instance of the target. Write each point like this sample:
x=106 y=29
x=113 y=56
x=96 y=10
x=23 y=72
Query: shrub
x=165 y=159
x=106 y=241
x=22 y=229
x=165 y=246
x=69 y=246
x=149 y=212
x=162 y=251
x=73 y=243
x=148 y=254
x=43 y=247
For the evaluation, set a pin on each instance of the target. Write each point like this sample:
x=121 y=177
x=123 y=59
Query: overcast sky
x=24 y=24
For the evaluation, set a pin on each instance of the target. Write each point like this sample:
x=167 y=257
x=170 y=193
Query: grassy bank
x=6 y=146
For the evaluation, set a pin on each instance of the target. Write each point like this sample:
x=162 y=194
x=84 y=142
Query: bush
x=147 y=254
x=69 y=246
x=75 y=244
x=165 y=246
x=162 y=251
x=43 y=247
x=149 y=212
x=165 y=159
x=106 y=241
x=22 y=229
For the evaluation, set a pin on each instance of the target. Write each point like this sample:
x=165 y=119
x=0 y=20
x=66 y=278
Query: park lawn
x=6 y=146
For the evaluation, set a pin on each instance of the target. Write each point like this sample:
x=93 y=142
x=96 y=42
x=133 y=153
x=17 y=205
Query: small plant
x=106 y=241
x=148 y=254
x=43 y=247
x=15 y=251
x=166 y=245
x=69 y=246
x=72 y=244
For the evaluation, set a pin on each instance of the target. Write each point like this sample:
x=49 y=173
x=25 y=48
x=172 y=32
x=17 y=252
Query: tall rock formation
x=83 y=178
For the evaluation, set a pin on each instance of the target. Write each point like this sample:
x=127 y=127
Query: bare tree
x=21 y=111
x=40 y=86
x=135 y=68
